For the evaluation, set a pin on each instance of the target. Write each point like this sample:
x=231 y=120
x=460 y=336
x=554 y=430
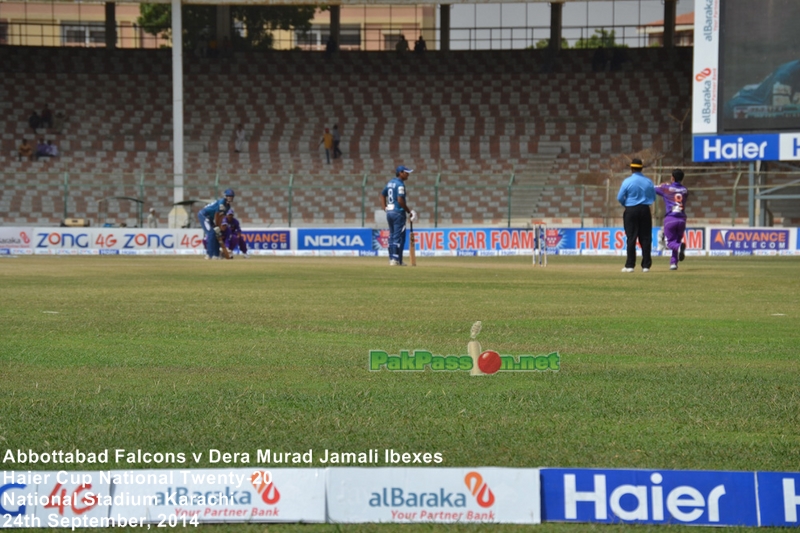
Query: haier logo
x=642 y=502
x=688 y=497
x=790 y=146
x=742 y=148
x=763 y=147
x=779 y=498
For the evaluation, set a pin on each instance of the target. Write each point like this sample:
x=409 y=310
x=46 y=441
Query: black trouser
x=638 y=225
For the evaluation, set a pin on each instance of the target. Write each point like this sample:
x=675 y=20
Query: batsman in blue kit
x=210 y=217
x=393 y=200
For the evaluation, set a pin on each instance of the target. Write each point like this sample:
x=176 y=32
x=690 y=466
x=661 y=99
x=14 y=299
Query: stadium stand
x=468 y=121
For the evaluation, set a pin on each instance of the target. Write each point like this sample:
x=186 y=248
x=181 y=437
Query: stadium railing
x=91 y=34
x=442 y=200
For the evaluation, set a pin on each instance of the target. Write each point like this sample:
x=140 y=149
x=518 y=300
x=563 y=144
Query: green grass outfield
x=695 y=369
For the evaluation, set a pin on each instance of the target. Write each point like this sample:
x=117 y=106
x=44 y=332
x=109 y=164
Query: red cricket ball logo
x=489 y=362
x=483 y=494
x=262 y=481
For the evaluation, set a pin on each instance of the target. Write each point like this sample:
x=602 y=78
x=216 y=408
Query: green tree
x=602 y=38
x=545 y=43
x=258 y=22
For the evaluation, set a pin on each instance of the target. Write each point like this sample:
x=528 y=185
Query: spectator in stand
x=337 y=139
x=331 y=47
x=152 y=219
x=46 y=117
x=239 y=143
x=420 y=46
x=226 y=49
x=402 y=44
x=58 y=122
x=327 y=140
x=600 y=60
x=35 y=122
x=25 y=151
x=618 y=57
x=41 y=149
x=52 y=149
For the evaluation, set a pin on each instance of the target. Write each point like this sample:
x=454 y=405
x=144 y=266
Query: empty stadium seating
x=467 y=121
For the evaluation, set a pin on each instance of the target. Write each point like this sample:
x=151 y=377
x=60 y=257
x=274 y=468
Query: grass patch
x=695 y=369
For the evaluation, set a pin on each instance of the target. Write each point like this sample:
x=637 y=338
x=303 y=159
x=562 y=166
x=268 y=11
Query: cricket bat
x=412 y=246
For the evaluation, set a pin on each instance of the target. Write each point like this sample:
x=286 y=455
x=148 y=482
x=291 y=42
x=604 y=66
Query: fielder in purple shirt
x=235 y=239
x=674 y=195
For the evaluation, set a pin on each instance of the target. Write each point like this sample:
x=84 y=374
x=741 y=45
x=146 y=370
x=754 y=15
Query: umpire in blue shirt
x=637 y=194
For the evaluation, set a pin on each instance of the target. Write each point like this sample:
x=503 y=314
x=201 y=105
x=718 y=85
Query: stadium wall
x=700 y=241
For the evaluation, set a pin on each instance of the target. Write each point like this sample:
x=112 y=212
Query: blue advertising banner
x=458 y=239
x=649 y=496
x=334 y=239
x=779 y=498
x=558 y=240
x=570 y=240
x=753 y=147
x=268 y=239
x=747 y=241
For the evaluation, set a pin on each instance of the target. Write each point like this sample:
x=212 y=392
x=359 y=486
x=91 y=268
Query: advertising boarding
x=434 y=495
x=749 y=241
x=779 y=498
x=705 y=83
x=222 y=495
x=115 y=240
x=649 y=497
x=724 y=241
x=608 y=241
x=55 y=499
x=333 y=239
x=265 y=239
x=464 y=241
x=13 y=240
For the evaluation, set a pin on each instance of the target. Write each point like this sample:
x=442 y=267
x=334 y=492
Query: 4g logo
x=59 y=498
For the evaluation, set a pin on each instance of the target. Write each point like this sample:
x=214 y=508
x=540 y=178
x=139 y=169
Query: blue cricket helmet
x=229 y=192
